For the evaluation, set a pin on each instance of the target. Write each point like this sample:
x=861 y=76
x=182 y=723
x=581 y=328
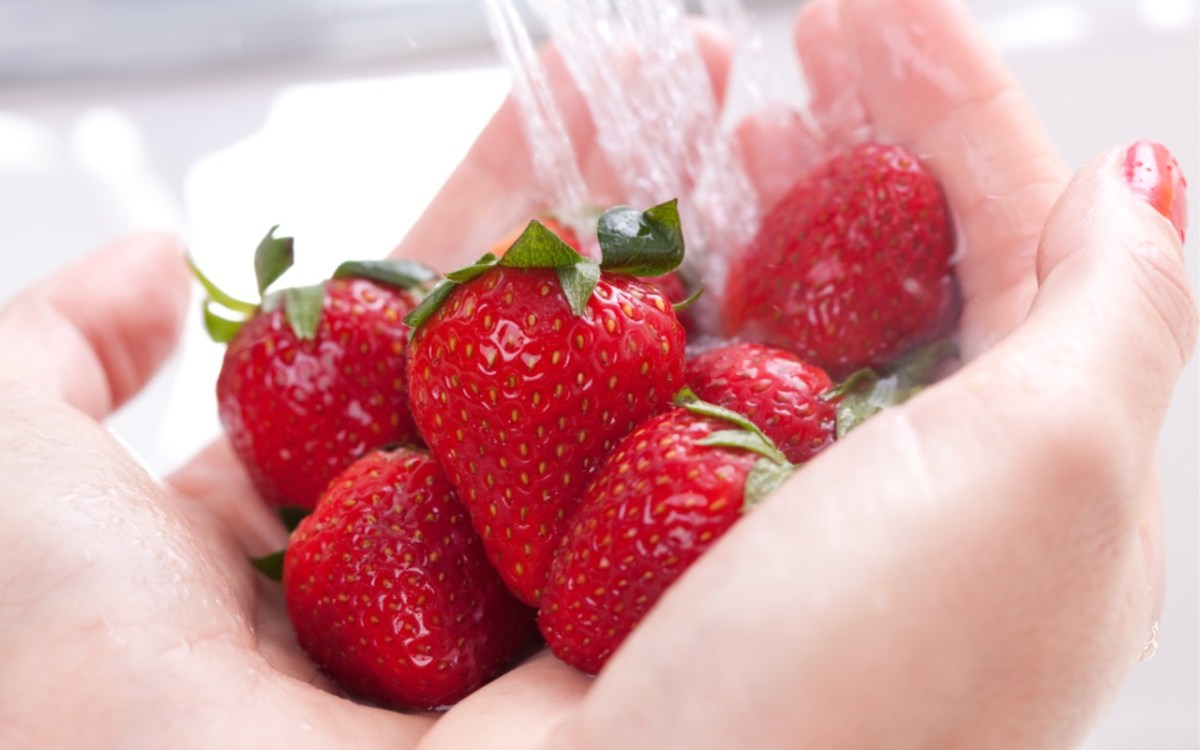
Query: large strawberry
x=671 y=489
x=524 y=371
x=852 y=268
x=314 y=377
x=390 y=591
x=781 y=394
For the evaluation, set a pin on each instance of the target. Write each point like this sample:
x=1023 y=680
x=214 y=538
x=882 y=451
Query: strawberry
x=852 y=268
x=673 y=487
x=390 y=592
x=313 y=377
x=524 y=371
x=776 y=390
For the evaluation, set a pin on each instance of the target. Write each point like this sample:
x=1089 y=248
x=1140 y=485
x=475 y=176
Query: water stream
x=657 y=120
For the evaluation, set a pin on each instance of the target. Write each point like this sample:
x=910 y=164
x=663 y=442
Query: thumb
x=1113 y=306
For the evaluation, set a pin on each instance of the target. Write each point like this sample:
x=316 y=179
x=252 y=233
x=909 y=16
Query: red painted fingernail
x=1156 y=178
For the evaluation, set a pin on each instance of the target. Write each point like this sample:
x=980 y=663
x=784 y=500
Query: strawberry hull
x=520 y=399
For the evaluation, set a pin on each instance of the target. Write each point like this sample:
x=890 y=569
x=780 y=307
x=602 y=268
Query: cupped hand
x=129 y=614
x=979 y=568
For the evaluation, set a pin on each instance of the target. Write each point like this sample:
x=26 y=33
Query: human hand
x=993 y=578
x=966 y=592
x=129 y=614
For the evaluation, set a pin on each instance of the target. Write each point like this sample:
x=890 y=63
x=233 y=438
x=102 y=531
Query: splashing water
x=657 y=120
x=554 y=162
x=1151 y=646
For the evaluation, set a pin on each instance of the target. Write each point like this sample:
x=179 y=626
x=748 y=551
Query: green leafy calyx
x=647 y=243
x=641 y=243
x=865 y=393
x=397 y=272
x=768 y=472
x=273 y=257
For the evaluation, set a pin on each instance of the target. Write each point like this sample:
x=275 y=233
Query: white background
x=345 y=153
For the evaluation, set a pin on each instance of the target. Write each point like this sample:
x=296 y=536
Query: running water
x=554 y=163
x=657 y=120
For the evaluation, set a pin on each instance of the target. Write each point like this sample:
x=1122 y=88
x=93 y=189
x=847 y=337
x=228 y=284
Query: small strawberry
x=313 y=377
x=851 y=268
x=671 y=489
x=524 y=371
x=776 y=391
x=389 y=589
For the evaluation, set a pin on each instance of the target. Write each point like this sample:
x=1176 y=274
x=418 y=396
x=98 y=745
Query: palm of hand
x=141 y=590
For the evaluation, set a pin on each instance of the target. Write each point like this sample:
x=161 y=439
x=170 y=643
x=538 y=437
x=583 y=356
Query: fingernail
x=1156 y=178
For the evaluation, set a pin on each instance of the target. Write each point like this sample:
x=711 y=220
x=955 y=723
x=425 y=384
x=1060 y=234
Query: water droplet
x=1151 y=646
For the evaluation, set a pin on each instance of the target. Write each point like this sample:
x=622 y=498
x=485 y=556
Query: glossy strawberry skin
x=520 y=400
x=660 y=501
x=775 y=389
x=851 y=268
x=389 y=589
x=298 y=411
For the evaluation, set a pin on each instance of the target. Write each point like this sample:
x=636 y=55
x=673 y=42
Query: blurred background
x=339 y=119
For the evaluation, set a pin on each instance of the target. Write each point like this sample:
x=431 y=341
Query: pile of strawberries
x=525 y=445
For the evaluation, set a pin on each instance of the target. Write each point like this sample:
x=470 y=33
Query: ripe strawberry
x=314 y=377
x=851 y=268
x=778 y=392
x=670 y=490
x=524 y=372
x=389 y=589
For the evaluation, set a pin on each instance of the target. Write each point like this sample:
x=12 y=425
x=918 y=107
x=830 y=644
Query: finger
x=494 y=189
x=928 y=79
x=1114 y=298
x=831 y=74
x=95 y=332
x=517 y=711
x=992 y=592
x=777 y=146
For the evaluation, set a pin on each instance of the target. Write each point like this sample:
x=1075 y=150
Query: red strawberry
x=525 y=377
x=314 y=378
x=670 y=490
x=775 y=389
x=389 y=589
x=851 y=268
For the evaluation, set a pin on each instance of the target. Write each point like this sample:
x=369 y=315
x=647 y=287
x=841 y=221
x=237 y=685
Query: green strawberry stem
x=217 y=295
x=648 y=243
